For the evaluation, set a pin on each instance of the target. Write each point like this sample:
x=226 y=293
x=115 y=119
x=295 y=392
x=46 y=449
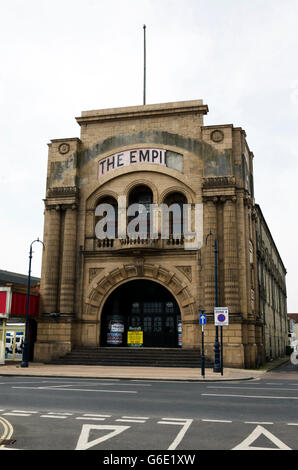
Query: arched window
x=140 y=195
x=176 y=201
x=106 y=218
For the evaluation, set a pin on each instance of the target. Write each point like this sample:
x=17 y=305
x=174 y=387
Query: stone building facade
x=272 y=294
x=94 y=291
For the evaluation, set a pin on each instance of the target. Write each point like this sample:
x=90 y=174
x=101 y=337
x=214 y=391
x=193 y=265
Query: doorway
x=141 y=313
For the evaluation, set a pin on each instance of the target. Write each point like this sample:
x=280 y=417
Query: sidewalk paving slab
x=35 y=369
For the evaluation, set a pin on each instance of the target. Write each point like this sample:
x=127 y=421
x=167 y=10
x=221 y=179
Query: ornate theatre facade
x=98 y=292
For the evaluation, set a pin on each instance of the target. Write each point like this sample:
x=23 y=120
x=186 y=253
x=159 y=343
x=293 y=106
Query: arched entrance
x=141 y=313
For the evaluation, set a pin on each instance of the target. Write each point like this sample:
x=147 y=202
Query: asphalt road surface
x=80 y=414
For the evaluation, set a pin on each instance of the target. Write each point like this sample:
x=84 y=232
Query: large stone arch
x=106 y=282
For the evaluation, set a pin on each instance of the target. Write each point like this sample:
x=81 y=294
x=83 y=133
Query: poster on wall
x=135 y=337
x=114 y=338
x=115 y=332
x=116 y=326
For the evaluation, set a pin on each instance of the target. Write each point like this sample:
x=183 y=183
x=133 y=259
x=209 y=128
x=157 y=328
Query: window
x=176 y=201
x=147 y=324
x=141 y=195
x=157 y=324
x=108 y=219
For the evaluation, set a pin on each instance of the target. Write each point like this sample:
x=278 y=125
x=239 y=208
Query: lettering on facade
x=131 y=157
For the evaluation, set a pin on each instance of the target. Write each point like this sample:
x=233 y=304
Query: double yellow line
x=8 y=430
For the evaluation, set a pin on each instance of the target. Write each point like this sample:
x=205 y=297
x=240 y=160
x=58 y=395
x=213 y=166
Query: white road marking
x=79 y=390
x=53 y=416
x=259 y=430
x=176 y=419
x=81 y=385
x=217 y=420
x=84 y=444
x=247 y=396
x=180 y=422
x=26 y=411
x=278 y=384
x=86 y=418
x=252 y=388
x=292 y=424
x=16 y=414
x=135 y=417
x=75 y=381
x=131 y=420
x=258 y=422
x=27 y=382
x=96 y=415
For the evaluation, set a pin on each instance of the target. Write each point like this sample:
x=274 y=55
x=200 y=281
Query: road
x=60 y=413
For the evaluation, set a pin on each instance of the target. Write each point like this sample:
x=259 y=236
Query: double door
x=158 y=321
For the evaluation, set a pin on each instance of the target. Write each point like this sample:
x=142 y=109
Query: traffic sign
x=221 y=316
x=202 y=319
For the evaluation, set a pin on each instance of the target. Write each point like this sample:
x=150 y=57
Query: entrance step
x=143 y=357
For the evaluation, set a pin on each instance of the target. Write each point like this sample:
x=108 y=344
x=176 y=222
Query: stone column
x=231 y=276
x=68 y=271
x=242 y=255
x=210 y=225
x=50 y=278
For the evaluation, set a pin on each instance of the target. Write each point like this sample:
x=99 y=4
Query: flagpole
x=144 y=91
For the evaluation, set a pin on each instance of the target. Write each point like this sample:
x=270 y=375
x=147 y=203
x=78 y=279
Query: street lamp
x=24 y=362
x=216 y=367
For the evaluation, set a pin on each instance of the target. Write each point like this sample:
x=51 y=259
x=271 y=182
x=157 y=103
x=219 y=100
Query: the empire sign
x=131 y=157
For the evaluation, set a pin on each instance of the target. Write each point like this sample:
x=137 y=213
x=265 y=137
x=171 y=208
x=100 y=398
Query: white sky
x=59 y=58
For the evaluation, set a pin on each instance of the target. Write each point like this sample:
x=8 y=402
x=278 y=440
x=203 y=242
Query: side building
x=272 y=293
x=146 y=291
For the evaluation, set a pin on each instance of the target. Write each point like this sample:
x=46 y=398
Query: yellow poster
x=135 y=337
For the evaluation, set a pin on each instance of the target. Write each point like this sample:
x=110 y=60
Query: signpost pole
x=203 y=353
x=221 y=352
x=221 y=318
x=202 y=321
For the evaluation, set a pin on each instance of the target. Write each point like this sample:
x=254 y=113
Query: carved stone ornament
x=186 y=270
x=63 y=191
x=63 y=148
x=217 y=136
x=93 y=272
x=218 y=181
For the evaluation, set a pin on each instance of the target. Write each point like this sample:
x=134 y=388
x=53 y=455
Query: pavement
x=36 y=369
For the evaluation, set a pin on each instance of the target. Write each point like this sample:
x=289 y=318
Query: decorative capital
x=218 y=182
x=63 y=191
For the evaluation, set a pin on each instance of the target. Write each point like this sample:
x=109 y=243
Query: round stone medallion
x=63 y=148
x=217 y=136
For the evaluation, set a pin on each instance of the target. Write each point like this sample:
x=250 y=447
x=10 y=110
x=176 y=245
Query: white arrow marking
x=246 y=444
x=84 y=443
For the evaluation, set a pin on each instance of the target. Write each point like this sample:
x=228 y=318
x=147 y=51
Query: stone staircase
x=143 y=357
